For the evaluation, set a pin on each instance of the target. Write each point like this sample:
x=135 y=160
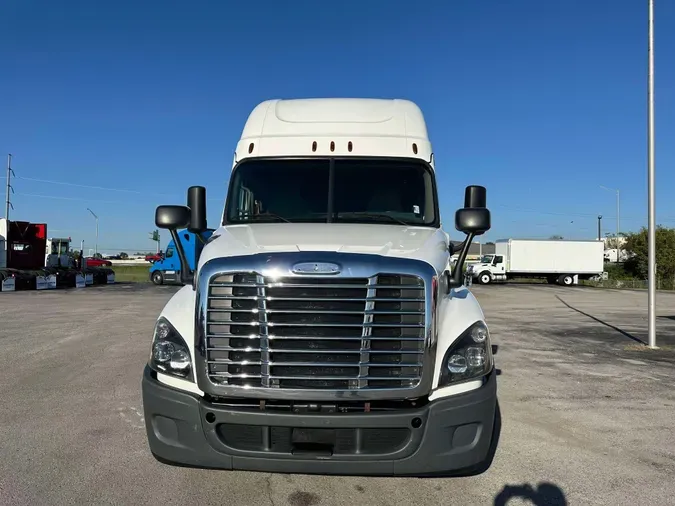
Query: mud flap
x=9 y=285
x=41 y=283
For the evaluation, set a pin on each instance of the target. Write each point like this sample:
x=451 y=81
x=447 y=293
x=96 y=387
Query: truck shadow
x=545 y=494
x=620 y=331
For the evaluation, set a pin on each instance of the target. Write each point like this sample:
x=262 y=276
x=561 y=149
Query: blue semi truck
x=167 y=270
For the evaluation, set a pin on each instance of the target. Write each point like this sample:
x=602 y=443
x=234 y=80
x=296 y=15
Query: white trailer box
x=552 y=256
x=559 y=261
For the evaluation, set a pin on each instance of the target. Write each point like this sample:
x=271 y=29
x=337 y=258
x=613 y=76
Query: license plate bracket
x=301 y=436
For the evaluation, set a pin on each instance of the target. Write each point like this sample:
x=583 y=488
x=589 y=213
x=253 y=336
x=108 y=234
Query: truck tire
x=566 y=280
x=485 y=278
x=157 y=278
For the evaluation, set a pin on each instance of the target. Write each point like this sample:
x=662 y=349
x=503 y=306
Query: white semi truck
x=558 y=261
x=322 y=331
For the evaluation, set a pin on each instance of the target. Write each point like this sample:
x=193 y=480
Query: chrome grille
x=315 y=332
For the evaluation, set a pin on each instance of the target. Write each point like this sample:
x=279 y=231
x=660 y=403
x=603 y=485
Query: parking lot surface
x=588 y=414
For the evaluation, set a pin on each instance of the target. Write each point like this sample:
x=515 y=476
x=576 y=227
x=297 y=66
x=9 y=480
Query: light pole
x=651 y=234
x=600 y=227
x=618 y=211
x=96 y=243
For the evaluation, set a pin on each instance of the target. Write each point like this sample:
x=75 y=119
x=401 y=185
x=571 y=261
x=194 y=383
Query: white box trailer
x=558 y=261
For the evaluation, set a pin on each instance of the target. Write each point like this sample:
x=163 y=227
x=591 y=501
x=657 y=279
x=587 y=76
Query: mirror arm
x=456 y=277
x=186 y=273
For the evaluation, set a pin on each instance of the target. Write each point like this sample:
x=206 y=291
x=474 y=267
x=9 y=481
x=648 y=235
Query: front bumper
x=448 y=436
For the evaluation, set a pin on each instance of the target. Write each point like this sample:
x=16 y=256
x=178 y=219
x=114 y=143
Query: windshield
x=60 y=248
x=486 y=259
x=359 y=191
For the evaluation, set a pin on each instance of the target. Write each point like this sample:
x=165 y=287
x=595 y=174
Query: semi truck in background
x=564 y=262
x=167 y=268
x=29 y=260
x=322 y=330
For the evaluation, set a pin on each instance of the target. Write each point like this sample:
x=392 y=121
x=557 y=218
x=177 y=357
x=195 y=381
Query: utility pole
x=8 y=203
x=618 y=212
x=651 y=236
x=96 y=243
x=599 y=227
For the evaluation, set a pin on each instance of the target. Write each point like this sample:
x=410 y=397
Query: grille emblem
x=316 y=268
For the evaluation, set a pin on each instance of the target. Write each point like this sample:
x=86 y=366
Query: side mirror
x=473 y=219
x=172 y=217
x=192 y=217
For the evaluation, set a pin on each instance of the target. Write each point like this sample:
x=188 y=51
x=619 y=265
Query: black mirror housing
x=472 y=220
x=172 y=217
x=196 y=201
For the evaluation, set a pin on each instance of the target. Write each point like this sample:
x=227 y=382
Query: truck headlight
x=169 y=353
x=469 y=358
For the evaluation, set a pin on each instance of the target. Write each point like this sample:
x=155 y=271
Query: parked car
x=97 y=262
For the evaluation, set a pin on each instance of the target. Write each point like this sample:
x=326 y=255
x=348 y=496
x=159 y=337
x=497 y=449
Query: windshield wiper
x=266 y=214
x=367 y=214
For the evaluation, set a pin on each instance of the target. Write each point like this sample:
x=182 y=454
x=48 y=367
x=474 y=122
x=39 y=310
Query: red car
x=97 y=262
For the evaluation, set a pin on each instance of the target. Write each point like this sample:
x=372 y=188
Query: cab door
x=498 y=265
x=170 y=265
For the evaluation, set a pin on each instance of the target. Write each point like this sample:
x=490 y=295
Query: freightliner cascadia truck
x=322 y=330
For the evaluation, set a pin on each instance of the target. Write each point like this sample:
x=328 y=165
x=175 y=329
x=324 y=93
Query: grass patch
x=132 y=273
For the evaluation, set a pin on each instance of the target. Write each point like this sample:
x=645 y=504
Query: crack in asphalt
x=270 y=495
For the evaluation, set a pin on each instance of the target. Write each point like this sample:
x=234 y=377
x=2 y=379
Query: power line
x=106 y=188
x=95 y=187
x=56 y=197
x=576 y=215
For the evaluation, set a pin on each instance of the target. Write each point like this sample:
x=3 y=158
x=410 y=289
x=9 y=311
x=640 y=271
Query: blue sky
x=540 y=101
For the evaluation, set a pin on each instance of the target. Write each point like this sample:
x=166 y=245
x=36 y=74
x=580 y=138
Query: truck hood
x=478 y=264
x=422 y=243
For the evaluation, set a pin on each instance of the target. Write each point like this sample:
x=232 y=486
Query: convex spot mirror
x=172 y=217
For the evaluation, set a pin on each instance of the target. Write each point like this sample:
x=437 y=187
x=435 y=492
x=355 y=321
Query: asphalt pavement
x=588 y=414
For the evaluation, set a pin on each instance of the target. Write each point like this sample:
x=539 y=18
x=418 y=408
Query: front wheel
x=484 y=278
x=157 y=278
x=566 y=280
